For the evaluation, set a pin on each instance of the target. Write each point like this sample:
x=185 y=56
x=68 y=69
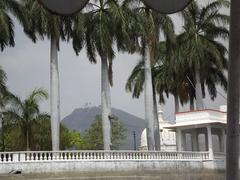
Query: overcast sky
x=27 y=67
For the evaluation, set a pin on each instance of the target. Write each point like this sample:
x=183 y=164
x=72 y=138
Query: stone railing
x=36 y=156
x=7 y=157
x=219 y=155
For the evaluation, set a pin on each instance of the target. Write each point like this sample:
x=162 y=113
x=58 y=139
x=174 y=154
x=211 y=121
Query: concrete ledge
x=111 y=166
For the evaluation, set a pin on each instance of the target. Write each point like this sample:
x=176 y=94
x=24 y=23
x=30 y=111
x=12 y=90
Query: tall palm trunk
x=191 y=103
x=27 y=140
x=176 y=103
x=198 y=90
x=232 y=158
x=3 y=131
x=156 y=122
x=148 y=96
x=105 y=104
x=54 y=94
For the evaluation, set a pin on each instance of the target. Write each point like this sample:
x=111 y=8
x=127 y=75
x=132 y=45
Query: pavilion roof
x=199 y=118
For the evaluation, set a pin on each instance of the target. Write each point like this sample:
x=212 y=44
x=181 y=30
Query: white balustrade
x=7 y=157
x=219 y=155
x=36 y=156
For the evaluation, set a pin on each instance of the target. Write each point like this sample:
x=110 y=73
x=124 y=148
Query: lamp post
x=134 y=141
x=2 y=134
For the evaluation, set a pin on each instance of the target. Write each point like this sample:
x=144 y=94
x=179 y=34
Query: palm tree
x=211 y=76
x=8 y=7
x=202 y=26
x=44 y=24
x=105 y=25
x=169 y=76
x=135 y=85
x=24 y=113
x=178 y=75
x=166 y=79
x=147 y=27
x=160 y=85
x=166 y=76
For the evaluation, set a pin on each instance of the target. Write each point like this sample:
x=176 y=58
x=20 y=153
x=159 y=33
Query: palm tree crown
x=200 y=47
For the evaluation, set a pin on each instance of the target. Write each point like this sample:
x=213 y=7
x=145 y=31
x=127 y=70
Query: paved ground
x=116 y=176
x=218 y=176
x=81 y=178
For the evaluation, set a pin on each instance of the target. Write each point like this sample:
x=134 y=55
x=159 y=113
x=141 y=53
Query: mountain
x=82 y=118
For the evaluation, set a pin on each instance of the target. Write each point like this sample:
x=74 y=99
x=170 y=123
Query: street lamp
x=63 y=7
x=67 y=7
x=167 y=6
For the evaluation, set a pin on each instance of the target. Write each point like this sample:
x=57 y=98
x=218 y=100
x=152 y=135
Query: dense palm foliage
x=4 y=98
x=201 y=49
x=24 y=113
x=3 y=89
x=41 y=137
x=8 y=7
x=104 y=23
x=169 y=77
x=176 y=76
x=166 y=77
x=194 y=61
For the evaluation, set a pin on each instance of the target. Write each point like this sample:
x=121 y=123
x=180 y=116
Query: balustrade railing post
x=22 y=157
x=4 y=157
x=15 y=157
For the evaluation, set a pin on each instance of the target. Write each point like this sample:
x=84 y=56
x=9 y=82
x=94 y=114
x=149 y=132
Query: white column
x=223 y=141
x=194 y=138
x=183 y=141
x=179 y=140
x=206 y=141
x=210 y=145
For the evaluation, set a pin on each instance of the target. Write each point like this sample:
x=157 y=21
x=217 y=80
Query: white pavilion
x=200 y=130
x=167 y=136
